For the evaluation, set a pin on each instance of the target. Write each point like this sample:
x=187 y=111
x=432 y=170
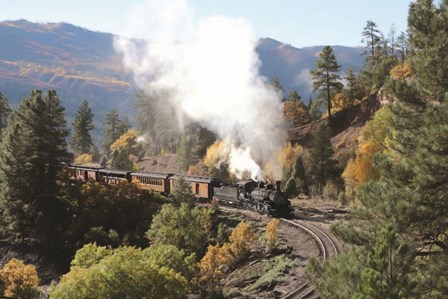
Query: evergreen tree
x=402 y=46
x=82 y=125
x=158 y=122
x=372 y=37
x=278 y=86
x=113 y=129
x=294 y=96
x=315 y=109
x=389 y=271
x=182 y=192
x=326 y=77
x=321 y=155
x=400 y=223
x=352 y=91
x=4 y=111
x=392 y=39
x=296 y=111
x=31 y=159
x=186 y=154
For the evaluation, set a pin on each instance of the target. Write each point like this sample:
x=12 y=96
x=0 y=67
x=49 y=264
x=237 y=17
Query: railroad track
x=327 y=250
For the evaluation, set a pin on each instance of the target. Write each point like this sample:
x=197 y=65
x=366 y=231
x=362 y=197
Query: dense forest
x=394 y=182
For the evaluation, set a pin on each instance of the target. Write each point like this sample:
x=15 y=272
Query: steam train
x=248 y=194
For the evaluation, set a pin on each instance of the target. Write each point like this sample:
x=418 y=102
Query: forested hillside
x=371 y=143
x=82 y=64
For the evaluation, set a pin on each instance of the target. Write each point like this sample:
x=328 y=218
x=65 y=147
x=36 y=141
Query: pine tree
x=31 y=159
x=372 y=37
x=352 y=91
x=390 y=270
x=321 y=155
x=113 y=129
x=186 y=154
x=82 y=125
x=326 y=77
x=4 y=111
x=182 y=192
x=402 y=46
x=277 y=86
x=407 y=205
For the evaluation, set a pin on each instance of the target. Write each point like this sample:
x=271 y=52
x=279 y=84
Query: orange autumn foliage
x=15 y=274
x=218 y=257
x=400 y=71
x=373 y=140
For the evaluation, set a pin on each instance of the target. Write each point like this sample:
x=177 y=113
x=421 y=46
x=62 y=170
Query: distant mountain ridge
x=82 y=64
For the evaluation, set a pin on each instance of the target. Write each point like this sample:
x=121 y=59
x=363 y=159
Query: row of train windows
x=150 y=181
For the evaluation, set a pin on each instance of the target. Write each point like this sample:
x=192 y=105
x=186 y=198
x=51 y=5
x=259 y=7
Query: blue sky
x=297 y=22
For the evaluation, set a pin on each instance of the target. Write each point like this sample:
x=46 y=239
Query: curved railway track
x=327 y=250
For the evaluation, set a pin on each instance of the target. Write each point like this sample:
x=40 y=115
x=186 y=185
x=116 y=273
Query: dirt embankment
x=345 y=125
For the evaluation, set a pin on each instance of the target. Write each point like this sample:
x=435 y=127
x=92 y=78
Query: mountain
x=82 y=64
x=292 y=65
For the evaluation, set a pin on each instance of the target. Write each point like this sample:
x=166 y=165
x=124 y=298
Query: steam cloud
x=209 y=69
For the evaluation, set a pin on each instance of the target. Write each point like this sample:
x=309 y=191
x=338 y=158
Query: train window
x=197 y=188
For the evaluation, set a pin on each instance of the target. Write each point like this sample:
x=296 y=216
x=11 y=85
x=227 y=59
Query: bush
x=16 y=275
x=291 y=187
x=271 y=234
x=343 y=198
x=330 y=191
x=126 y=272
x=315 y=190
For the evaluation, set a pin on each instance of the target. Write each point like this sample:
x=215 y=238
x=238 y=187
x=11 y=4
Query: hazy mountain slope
x=292 y=65
x=82 y=64
x=79 y=63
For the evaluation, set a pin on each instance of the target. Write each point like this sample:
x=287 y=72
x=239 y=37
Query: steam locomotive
x=257 y=196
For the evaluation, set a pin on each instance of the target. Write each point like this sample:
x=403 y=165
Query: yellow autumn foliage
x=339 y=102
x=240 y=240
x=84 y=159
x=15 y=274
x=211 y=266
x=218 y=257
x=215 y=153
x=287 y=156
x=400 y=71
x=372 y=140
x=126 y=140
x=271 y=233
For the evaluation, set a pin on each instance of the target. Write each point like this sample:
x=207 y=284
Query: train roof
x=198 y=179
x=151 y=174
x=115 y=171
x=85 y=166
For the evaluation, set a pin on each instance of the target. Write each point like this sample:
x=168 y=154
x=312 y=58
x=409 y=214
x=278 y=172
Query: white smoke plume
x=209 y=69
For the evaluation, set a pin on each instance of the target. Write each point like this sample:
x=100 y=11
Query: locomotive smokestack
x=278 y=185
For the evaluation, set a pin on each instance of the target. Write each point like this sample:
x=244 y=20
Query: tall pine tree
x=82 y=125
x=325 y=76
x=114 y=127
x=31 y=160
x=407 y=205
x=321 y=155
x=4 y=111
